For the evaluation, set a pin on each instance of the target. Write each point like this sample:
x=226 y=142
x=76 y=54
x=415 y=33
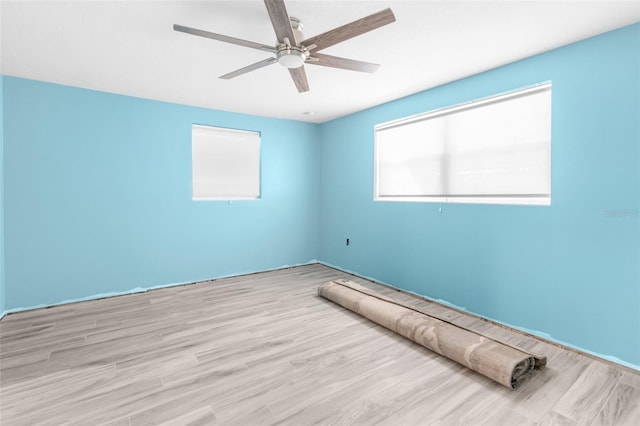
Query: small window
x=226 y=163
x=496 y=150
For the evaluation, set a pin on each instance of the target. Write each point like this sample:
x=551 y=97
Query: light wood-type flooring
x=265 y=349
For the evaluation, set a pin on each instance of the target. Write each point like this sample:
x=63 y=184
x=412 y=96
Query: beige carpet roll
x=498 y=361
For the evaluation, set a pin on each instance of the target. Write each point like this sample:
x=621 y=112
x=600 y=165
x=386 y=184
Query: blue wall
x=2 y=303
x=98 y=196
x=571 y=269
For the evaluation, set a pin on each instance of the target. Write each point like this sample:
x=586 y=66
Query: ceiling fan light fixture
x=291 y=58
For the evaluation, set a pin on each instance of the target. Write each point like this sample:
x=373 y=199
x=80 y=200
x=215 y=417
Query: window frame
x=509 y=199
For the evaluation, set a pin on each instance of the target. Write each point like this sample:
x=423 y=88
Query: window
x=494 y=150
x=226 y=163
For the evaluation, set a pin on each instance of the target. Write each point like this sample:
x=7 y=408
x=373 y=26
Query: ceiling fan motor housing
x=297 y=27
x=292 y=56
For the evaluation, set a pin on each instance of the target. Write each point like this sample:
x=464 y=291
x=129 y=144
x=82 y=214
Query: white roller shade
x=226 y=163
x=496 y=148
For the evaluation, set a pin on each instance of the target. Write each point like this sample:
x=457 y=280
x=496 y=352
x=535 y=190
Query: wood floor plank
x=476 y=409
x=265 y=349
x=246 y=413
x=622 y=408
x=507 y=417
x=588 y=394
x=200 y=417
x=551 y=418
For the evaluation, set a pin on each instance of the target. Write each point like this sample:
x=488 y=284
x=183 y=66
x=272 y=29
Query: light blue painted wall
x=2 y=291
x=98 y=196
x=568 y=270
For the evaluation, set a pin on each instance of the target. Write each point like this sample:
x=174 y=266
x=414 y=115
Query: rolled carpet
x=496 y=360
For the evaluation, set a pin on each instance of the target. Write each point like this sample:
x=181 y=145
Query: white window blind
x=496 y=150
x=225 y=163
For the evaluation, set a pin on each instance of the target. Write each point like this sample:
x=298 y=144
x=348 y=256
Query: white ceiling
x=130 y=47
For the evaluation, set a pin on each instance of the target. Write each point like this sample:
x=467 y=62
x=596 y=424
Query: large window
x=226 y=163
x=494 y=150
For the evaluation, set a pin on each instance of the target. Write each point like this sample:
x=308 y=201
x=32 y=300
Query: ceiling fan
x=292 y=51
